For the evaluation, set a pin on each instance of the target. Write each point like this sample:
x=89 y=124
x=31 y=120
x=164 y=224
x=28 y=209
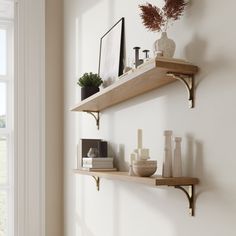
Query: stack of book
x=98 y=163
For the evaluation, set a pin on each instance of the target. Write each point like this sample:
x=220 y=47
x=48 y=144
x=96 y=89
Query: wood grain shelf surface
x=151 y=181
x=147 y=77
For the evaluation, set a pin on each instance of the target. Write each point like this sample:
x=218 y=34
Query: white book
x=98 y=169
x=109 y=165
x=98 y=158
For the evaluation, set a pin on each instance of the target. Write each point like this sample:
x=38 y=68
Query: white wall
x=204 y=36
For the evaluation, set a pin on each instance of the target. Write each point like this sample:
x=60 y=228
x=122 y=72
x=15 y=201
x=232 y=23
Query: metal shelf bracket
x=97 y=180
x=96 y=116
x=190 y=195
x=188 y=81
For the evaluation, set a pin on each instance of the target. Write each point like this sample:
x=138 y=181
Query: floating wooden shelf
x=149 y=76
x=179 y=183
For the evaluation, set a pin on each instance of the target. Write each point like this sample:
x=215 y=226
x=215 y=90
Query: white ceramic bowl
x=144 y=168
x=145 y=163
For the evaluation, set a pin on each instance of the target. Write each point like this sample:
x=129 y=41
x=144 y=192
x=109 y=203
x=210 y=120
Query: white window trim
x=8 y=78
x=8 y=131
x=30 y=118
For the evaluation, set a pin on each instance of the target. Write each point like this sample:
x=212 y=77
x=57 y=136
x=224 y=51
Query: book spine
x=96 y=162
x=110 y=165
x=98 y=158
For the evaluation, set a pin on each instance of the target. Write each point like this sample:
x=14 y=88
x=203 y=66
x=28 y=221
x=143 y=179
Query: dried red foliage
x=156 y=19
x=173 y=9
x=152 y=17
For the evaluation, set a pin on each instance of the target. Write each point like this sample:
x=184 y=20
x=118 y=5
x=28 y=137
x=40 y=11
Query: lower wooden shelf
x=179 y=183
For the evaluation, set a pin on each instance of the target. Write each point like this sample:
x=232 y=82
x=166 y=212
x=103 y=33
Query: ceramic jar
x=164 y=45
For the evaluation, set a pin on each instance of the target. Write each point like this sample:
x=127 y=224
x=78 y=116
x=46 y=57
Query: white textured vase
x=167 y=163
x=177 y=165
x=164 y=45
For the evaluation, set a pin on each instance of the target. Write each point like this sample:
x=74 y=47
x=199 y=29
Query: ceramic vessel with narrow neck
x=164 y=45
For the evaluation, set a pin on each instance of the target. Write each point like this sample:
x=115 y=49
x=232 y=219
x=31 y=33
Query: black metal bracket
x=96 y=116
x=188 y=81
x=97 y=180
x=190 y=195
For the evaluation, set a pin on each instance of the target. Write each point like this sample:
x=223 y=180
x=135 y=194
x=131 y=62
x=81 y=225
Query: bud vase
x=177 y=165
x=164 y=45
x=167 y=163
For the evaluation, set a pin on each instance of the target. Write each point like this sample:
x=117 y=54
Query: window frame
x=7 y=132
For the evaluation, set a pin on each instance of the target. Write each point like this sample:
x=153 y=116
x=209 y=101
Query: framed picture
x=111 y=54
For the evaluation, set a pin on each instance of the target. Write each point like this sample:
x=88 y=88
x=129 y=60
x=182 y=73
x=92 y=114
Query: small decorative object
x=138 y=61
x=140 y=165
x=142 y=153
x=131 y=172
x=159 y=53
x=158 y=19
x=146 y=54
x=127 y=65
x=132 y=159
x=127 y=69
x=89 y=83
x=144 y=168
x=140 y=139
x=167 y=164
x=111 y=55
x=177 y=164
x=92 y=153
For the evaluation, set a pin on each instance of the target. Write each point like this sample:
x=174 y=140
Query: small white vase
x=167 y=163
x=177 y=165
x=164 y=45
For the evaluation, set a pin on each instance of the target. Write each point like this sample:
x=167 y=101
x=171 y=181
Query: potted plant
x=89 y=83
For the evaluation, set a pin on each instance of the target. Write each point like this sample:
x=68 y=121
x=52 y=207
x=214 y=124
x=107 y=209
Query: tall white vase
x=164 y=45
x=167 y=163
x=177 y=164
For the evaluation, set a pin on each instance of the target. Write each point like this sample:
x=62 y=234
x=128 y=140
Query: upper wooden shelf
x=149 y=76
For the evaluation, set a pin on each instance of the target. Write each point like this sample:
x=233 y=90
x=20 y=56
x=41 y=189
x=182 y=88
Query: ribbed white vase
x=177 y=164
x=164 y=45
x=167 y=162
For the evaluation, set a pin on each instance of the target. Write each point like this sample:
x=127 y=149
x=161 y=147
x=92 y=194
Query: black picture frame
x=111 y=55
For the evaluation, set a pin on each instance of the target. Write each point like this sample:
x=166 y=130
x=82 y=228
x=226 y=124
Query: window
x=3 y=55
x=6 y=126
x=3 y=99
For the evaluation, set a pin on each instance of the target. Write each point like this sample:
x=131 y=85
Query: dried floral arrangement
x=159 y=19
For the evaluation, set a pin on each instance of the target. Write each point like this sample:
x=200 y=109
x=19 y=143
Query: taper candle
x=140 y=139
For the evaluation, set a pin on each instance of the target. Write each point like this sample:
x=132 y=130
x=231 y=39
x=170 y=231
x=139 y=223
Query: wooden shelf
x=149 y=76
x=152 y=181
x=179 y=183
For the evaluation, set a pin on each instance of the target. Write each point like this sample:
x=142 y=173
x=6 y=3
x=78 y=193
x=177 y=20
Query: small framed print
x=111 y=54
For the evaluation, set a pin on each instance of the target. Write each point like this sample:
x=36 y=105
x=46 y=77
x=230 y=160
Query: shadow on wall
x=81 y=224
x=197 y=52
x=195 y=12
x=86 y=5
x=195 y=166
x=118 y=152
